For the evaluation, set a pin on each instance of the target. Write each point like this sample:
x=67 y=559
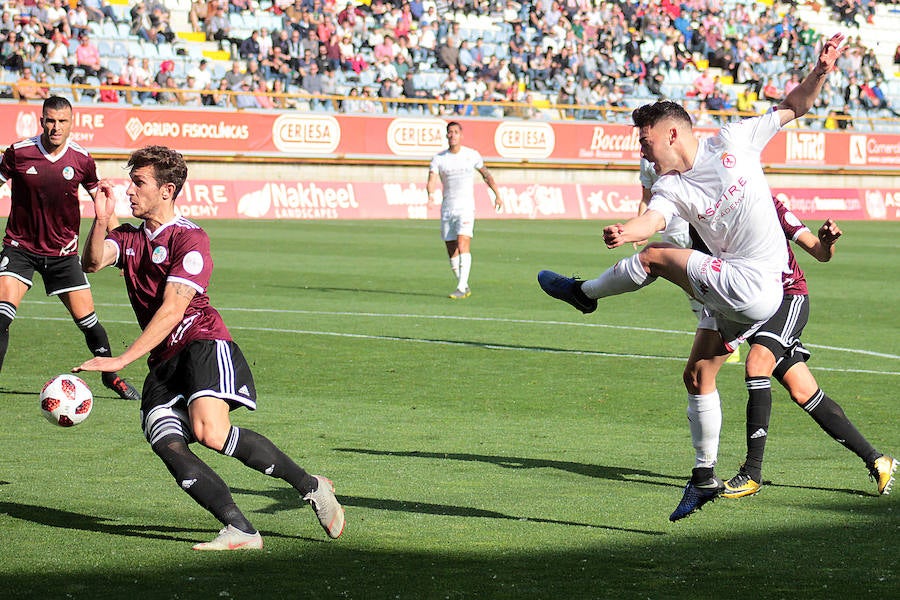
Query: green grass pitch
x=504 y=446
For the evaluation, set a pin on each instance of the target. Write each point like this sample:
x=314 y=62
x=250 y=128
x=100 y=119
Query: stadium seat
x=119 y=50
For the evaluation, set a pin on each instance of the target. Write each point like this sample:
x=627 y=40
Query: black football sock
x=7 y=315
x=258 y=452
x=831 y=418
x=94 y=335
x=200 y=482
x=759 y=410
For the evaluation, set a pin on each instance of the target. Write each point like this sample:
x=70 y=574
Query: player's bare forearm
x=176 y=298
x=798 y=102
x=633 y=230
x=821 y=245
x=96 y=254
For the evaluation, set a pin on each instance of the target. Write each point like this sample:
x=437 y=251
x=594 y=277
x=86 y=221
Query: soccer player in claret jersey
x=454 y=168
x=197 y=372
x=776 y=349
x=45 y=173
x=718 y=186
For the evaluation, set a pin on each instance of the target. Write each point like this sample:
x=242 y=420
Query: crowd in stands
x=590 y=57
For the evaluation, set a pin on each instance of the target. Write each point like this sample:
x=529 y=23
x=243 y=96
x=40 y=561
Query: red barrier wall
x=327 y=136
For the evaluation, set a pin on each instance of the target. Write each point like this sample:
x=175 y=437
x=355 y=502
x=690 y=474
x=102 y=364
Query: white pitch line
x=485 y=345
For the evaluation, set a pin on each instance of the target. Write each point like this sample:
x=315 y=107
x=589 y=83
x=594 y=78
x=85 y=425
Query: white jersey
x=457 y=173
x=726 y=198
x=676 y=231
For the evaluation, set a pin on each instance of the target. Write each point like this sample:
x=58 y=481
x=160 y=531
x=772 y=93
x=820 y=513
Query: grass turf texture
x=504 y=446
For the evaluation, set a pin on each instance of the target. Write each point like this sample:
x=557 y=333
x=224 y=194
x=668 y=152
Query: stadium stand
x=500 y=52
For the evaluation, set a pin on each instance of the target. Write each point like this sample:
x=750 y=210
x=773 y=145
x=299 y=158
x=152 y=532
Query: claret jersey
x=176 y=252
x=794 y=281
x=45 y=215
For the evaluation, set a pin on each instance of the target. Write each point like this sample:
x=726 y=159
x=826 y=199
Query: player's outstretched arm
x=821 y=246
x=97 y=253
x=633 y=230
x=801 y=98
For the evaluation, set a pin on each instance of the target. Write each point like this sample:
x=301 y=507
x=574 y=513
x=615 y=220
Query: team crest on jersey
x=193 y=262
x=68 y=173
x=728 y=160
x=159 y=255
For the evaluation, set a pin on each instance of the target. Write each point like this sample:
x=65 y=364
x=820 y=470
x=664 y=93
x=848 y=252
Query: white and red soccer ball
x=66 y=400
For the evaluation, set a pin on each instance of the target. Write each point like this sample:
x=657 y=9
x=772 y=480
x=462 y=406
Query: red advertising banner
x=329 y=136
x=330 y=200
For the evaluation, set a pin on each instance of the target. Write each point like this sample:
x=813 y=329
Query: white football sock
x=465 y=265
x=704 y=412
x=454 y=264
x=627 y=275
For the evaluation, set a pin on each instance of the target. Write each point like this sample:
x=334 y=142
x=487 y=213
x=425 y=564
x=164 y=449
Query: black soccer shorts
x=781 y=333
x=60 y=273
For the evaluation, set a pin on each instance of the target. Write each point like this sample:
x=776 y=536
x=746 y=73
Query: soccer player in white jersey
x=455 y=169
x=718 y=186
x=677 y=232
x=197 y=373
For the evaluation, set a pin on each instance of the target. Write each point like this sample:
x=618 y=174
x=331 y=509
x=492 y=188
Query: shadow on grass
x=63 y=519
x=626 y=474
x=286 y=499
x=854 y=558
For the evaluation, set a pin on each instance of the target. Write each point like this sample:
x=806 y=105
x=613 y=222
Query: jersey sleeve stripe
x=193 y=284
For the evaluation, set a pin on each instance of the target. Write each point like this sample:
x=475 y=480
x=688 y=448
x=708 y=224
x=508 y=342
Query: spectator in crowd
x=190 y=92
x=447 y=54
x=218 y=28
x=199 y=11
x=279 y=95
x=244 y=98
x=311 y=83
x=704 y=85
x=57 y=17
x=352 y=19
x=71 y=24
x=108 y=94
x=250 y=47
x=99 y=10
x=390 y=90
x=221 y=97
x=261 y=94
x=167 y=94
x=329 y=87
x=15 y=52
x=87 y=56
x=352 y=103
x=57 y=57
x=27 y=87
x=583 y=93
x=201 y=74
x=234 y=76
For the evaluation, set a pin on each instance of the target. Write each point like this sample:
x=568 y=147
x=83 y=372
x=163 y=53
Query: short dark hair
x=56 y=103
x=454 y=124
x=168 y=165
x=649 y=115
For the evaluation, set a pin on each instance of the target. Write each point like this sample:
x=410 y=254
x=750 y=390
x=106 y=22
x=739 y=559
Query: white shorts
x=454 y=225
x=677 y=232
x=737 y=292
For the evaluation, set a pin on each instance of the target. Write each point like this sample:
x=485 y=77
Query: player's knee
x=175 y=454
x=211 y=434
x=759 y=364
x=691 y=378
